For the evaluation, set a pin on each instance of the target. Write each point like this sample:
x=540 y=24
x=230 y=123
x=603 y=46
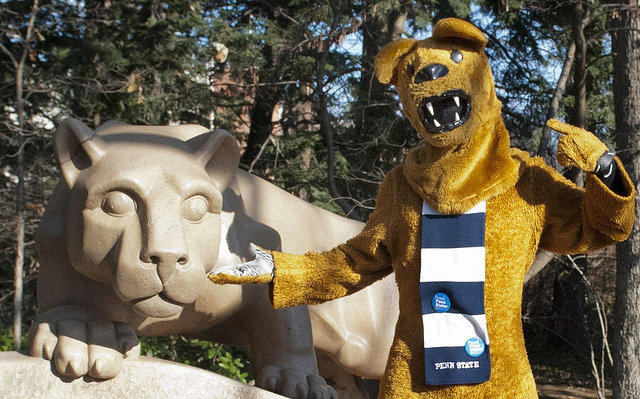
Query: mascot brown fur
x=464 y=160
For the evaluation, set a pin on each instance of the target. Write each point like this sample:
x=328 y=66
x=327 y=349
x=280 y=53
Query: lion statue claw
x=78 y=343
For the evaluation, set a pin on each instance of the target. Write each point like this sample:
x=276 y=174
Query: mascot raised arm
x=459 y=223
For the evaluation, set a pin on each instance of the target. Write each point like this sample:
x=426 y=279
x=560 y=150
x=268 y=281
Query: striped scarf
x=456 y=342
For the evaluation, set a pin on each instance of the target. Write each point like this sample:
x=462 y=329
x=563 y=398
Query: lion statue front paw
x=79 y=344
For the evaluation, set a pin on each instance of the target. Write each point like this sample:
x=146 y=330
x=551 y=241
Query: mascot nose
x=431 y=72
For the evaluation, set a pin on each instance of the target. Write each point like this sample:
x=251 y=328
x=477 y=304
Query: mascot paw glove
x=256 y=271
x=577 y=147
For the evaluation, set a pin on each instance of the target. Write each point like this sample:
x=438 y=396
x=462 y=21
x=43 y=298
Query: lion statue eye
x=456 y=56
x=117 y=203
x=195 y=208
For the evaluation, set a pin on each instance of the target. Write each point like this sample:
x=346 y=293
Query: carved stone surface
x=142 y=213
x=24 y=377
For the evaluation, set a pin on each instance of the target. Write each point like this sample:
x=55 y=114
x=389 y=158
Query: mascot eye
x=117 y=203
x=456 y=56
x=195 y=208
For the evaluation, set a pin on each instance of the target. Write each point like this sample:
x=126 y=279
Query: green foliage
x=6 y=339
x=144 y=62
x=230 y=361
x=226 y=360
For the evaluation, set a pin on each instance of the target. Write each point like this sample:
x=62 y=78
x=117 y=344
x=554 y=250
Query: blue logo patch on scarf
x=456 y=342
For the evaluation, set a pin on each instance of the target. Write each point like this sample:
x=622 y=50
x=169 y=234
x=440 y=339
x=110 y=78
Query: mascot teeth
x=430 y=108
x=445 y=112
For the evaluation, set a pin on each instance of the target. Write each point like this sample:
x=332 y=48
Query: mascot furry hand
x=459 y=223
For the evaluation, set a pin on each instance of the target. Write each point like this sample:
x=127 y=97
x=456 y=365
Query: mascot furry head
x=447 y=91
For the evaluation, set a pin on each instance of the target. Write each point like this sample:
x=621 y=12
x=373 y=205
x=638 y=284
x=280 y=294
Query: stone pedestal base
x=23 y=377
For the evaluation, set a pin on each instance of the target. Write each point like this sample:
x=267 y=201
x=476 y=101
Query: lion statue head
x=144 y=208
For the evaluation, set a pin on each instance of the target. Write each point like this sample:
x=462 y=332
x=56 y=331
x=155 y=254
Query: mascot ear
x=218 y=153
x=388 y=57
x=77 y=148
x=454 y=28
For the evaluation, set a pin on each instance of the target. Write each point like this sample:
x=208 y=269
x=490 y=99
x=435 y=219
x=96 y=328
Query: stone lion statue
x=140 y=217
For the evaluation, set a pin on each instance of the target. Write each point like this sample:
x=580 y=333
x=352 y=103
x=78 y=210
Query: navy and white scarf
x=452 y=274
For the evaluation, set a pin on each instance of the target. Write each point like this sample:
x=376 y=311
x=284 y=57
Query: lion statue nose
x=168 y=257
x=167 y=262
x=431 y=72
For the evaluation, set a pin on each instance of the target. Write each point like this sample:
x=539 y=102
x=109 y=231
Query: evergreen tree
x=141 y=63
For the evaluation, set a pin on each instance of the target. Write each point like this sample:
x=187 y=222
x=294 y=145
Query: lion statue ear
x=218 y=153
x=77 y=148
x=388 y=57
x=455 y=28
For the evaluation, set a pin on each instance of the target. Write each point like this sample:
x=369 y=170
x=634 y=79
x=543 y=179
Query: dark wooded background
x=293 y=81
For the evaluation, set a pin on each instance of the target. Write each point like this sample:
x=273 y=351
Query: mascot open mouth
x=445 y=112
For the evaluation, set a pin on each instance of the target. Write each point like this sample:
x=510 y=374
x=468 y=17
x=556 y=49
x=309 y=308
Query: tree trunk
x=543 y=258
x=543 y=147
x=267 y=95
x=377 y=30
x=19 y=218
x=579 y=116
x=19 y=261
x=580 y=67
x=264 y=102
x=260 y=126
x=570 y=289
x=326 y=127
x=626 y=83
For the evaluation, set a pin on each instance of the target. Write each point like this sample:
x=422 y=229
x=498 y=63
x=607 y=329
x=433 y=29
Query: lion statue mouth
x=445 y=112
x=158 y=305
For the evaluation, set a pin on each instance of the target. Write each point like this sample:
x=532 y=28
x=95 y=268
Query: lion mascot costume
x=459 y=223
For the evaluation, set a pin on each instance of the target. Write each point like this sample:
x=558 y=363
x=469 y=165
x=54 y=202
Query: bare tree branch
x=543 y=147
x=8 y=53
